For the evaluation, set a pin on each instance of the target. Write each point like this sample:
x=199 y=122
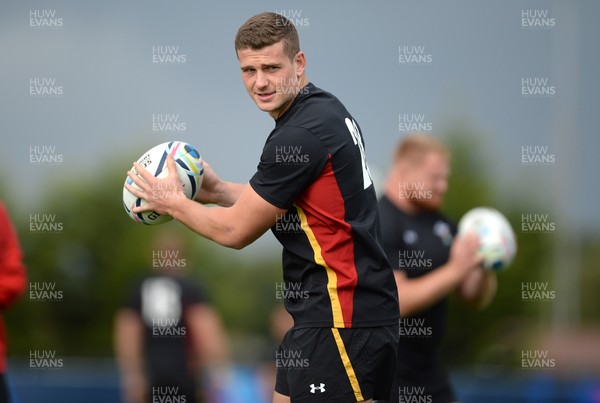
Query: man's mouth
x=265 y=96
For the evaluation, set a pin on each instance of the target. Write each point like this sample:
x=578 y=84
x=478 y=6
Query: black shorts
x=336 y=365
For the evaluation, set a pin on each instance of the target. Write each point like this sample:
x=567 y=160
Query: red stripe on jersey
x=323 y=205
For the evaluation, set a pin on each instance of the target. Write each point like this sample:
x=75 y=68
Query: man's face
x=430 y=178
x=271 y=78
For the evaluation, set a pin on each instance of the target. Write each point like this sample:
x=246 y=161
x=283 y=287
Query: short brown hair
x=266 y=29
x=413 y=148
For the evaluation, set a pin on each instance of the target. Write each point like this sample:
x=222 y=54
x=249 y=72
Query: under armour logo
x=320 y=388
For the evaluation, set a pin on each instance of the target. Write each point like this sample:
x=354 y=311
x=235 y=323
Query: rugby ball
x=189 y=168
x=497 y=238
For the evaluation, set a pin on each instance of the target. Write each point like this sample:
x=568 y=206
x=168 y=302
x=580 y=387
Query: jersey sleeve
x=392 y=250
x=292 y=159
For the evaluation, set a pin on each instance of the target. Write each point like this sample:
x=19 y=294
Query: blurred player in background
x=280 y=323
x=168 y=339
x=12 y=284
x=430 y=264
x=312 y=177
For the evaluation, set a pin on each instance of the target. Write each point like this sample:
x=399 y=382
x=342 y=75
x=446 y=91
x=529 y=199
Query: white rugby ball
x=190 y=169
x=497 y=239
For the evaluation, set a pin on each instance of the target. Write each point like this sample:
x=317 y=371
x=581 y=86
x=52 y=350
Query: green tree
x=492 y=337
x=95 y=256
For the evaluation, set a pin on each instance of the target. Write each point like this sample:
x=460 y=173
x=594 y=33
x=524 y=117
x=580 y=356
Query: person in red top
x=12 y=284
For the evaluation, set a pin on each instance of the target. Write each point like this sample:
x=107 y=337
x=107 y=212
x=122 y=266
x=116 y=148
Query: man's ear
x=300 y=63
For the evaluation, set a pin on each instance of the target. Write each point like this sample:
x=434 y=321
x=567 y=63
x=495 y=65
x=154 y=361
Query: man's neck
x=401 y=203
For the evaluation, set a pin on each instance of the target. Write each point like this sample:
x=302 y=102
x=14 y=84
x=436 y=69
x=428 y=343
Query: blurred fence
x=96 y=381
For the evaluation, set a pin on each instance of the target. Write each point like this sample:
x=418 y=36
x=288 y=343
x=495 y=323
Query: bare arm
x=478 y=288
x=248 y=217
x=128 y=340
x=417 y=294
x=208 y=336
x=210 y=346
x=217 y=191
x=236 y=226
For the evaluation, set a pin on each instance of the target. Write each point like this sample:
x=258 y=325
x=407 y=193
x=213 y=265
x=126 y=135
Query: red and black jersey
x=335 y=270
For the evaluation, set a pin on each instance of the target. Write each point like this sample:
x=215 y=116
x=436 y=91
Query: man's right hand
x=463 y=255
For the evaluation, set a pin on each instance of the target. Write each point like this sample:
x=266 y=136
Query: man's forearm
x=479 y=288
x=228 y=194
x=235 y=226
x=210 y=222
x=418 y=294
